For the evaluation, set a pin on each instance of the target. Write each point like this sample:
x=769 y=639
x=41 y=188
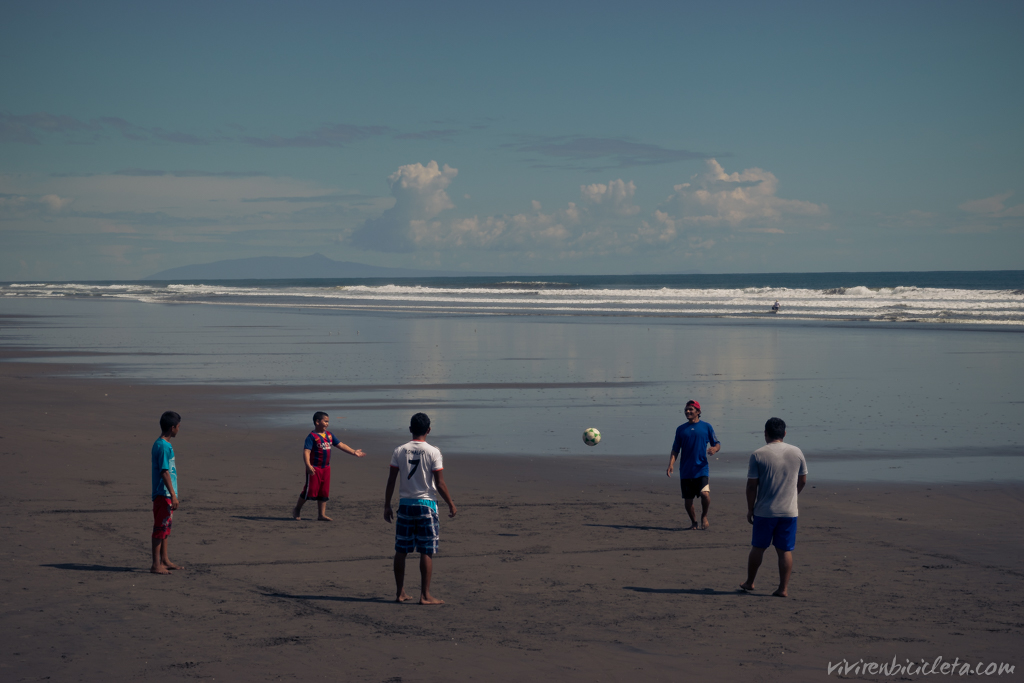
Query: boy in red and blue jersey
x=316 y=453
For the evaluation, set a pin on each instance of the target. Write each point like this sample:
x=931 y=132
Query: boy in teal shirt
x=165 y=492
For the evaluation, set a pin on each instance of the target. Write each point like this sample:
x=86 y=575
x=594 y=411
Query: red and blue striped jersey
x=319 y=447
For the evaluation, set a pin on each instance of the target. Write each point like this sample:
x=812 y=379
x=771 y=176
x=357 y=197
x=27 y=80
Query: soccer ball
x=591 y=437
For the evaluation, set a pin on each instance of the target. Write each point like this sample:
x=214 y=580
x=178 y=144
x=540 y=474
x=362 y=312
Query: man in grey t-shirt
x=777 y=473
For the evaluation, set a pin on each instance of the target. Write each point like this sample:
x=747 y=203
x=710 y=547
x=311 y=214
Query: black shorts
x=692 y=487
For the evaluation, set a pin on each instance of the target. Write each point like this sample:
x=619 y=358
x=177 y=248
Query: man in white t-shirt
x=776 y=475
x=422 y=478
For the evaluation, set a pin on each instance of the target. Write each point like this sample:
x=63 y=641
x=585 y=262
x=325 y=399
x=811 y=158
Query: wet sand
x=557 y=568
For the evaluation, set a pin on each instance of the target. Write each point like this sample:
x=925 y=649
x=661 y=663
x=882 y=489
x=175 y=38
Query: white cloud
x=664 y=229
x=593 y=224
x=994 y=207
x=420 y=196
x=739 y=199
x=422 y=188
x=605 y=220
x=148 y=203
x=21 y=205
x=616 y=197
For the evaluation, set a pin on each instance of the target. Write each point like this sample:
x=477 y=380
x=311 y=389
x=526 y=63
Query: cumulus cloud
x=414 y=223
x=745 y=198
x=616 y=197
x=605 y=218
x=420 y=196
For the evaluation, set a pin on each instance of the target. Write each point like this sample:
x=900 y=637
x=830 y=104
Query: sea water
x=523 y=367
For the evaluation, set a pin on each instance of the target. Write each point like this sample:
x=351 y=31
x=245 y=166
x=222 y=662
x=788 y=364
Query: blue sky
x=580 y=137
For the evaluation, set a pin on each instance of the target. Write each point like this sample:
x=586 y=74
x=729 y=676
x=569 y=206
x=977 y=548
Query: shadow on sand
x=683 y=591
x=324 y=597
x=91 y=567
x=264 y=519
x=640 y=528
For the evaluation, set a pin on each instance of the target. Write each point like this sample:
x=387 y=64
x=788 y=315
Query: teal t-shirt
x=163 y=459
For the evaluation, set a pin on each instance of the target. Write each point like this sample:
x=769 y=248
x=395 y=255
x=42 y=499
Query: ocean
x=880 y=376
x=980 y=298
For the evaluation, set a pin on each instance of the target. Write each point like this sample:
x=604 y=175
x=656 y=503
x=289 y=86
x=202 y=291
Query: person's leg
x=400 y=577
x=298 y=507
x=688 y=504
x=785 y=569
x=784 y=540
x=324 y=494
x=162 y=516
x=426 y=570
x=166 y=560
x=760 y=538
x=753 y=562
x=705 y=503
x=158 y=566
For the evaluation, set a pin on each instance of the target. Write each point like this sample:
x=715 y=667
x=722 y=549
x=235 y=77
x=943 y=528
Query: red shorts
x=162 y=514
x=318 y=484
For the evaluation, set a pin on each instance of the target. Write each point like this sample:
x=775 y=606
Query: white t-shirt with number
x=416 y=462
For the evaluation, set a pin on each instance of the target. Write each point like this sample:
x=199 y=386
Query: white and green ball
x=591 y=437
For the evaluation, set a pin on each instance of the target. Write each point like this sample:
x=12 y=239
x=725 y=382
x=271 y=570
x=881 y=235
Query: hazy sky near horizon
x=529 y=137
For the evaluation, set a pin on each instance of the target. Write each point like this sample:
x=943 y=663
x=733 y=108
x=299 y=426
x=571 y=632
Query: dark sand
x=556 y=568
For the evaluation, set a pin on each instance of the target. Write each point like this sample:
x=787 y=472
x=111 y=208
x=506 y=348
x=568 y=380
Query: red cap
x=694 y=404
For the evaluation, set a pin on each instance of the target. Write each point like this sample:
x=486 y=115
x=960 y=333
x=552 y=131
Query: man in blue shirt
x=691 y=446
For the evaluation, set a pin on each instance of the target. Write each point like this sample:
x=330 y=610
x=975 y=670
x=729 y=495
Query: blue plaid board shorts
x=417 y=527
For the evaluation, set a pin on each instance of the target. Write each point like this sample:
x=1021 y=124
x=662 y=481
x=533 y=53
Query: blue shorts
x=417 y=528
x=777 y=531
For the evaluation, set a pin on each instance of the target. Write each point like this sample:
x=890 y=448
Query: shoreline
x=265 y=403
x=564 y=567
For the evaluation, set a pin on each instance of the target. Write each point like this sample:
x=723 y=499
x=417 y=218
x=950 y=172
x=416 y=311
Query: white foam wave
x=896 y=304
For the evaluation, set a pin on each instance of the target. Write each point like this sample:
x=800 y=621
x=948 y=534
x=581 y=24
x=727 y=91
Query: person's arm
x=671 y=461
x=166 y=474
x=389 y=492
x=801 y=482
x=348 y=449
x=716 y=445
x=305 y=456
x=442 y=488
x=751 y=498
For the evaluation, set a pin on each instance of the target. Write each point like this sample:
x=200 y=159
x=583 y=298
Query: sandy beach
x=560 y=568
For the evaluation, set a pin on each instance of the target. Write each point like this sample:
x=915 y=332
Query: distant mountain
x=289 y=268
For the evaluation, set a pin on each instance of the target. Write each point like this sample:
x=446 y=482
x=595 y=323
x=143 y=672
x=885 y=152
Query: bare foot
x=158 y=569
x=403 y=597
x=746 y=587
x=295 y=514
x=324 y=518
x=781 y=594
x=692 y=527
x=171 y=565
x=430 y=600
x=704 y=523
